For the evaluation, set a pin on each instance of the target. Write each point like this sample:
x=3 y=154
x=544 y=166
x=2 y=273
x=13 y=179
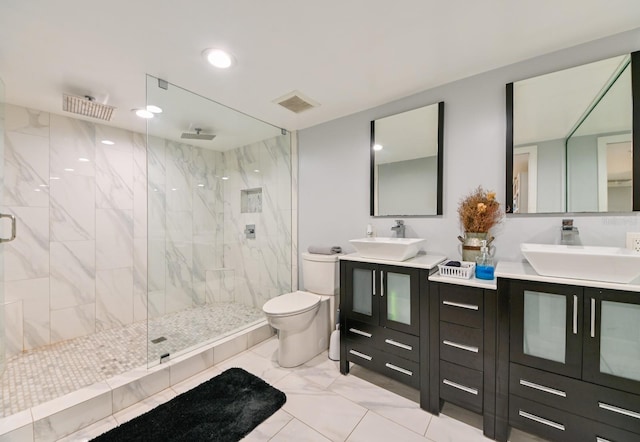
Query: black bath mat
x=224 y=408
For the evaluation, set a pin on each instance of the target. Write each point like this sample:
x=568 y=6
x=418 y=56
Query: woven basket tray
x=465 y=271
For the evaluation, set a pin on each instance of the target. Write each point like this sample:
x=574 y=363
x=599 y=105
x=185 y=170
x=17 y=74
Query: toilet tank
x=321 y=273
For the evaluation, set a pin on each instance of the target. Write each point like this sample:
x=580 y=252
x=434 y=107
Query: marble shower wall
x=261 y=268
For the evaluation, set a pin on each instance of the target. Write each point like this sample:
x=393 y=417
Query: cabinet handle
x=373 y=282
x=360 y=355
x=458 y=304
x=542 y=388
x=381 y=283
x=360 y=332
x=541 y=420
x=398 y=344
x=461 y=346
x=460 y=387
x=593 y=317
x=400 y=369
x=575 y=314
x=619 y=410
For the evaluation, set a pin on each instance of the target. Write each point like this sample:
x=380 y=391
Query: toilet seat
x=291 y=304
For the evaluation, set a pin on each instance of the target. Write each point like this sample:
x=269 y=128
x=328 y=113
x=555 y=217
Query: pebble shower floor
x=37 y=376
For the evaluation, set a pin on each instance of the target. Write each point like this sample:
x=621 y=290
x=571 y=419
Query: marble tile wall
x=262 y=266
x=87 y=232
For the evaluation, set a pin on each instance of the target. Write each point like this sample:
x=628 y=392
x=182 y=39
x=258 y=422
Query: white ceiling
x=346 y=55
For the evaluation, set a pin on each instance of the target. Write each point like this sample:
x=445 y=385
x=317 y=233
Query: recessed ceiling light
x=154 y=109
x=377 y=147
x=225 y=177
x=143 y=113
x=108 y=142
x=218 y=58
x=200 y=185
x=69 y=169
x=83 y=160
x=54 y=177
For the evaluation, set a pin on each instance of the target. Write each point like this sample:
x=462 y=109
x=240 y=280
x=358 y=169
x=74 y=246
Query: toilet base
x=297 y=347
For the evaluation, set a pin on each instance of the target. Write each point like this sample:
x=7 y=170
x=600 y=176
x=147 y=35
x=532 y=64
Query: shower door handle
x=13 y=227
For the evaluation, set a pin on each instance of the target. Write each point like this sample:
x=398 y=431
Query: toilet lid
x=291 y=303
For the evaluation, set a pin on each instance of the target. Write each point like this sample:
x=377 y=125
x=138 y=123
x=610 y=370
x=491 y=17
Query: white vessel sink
x=609 y=264
x=390 y=249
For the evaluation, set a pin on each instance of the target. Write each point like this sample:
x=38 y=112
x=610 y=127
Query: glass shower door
x=2 y=337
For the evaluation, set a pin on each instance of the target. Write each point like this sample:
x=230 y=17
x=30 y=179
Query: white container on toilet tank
x=305 y=319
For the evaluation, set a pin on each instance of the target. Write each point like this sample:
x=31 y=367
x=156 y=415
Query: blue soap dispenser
x=484 y=263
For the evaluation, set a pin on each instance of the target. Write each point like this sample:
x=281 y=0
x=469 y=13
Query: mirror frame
x=440 y=166
x=635 y=97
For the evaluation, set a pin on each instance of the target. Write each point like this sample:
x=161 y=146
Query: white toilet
x=305 y=319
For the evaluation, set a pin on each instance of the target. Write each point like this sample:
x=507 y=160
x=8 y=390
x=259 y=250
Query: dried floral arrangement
x=479 y=211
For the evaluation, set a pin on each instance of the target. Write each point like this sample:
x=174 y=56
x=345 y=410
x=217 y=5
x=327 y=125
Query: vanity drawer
x=361 y=332
x=551 y=389
x=461 y=386
x=461 y=345
x=399 y=344
x=384 y=339
x=548 y=422
x=461 y=305
x=614 y=407
x=400 y=369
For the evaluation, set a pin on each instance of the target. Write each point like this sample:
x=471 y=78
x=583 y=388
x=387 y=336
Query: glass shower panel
x=2 y=336
x=211 y=173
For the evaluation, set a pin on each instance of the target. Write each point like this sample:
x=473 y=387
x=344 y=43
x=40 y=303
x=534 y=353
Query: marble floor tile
x=257 y=365
x=375 y=428
x=270 y=427
x=296 y=430
x=385 y=403
x=326 y=412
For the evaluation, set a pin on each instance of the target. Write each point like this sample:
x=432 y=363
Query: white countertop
x=524 y=271
x=489 y=284
x=420 y=261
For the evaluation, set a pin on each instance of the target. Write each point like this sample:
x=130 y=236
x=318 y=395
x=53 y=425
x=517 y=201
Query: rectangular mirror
x=406 y=163
x=570 y=144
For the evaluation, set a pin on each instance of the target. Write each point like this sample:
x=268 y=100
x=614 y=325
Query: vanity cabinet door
x=362 y=291
x=612 y=340
x=399 y=298
x=546 y=328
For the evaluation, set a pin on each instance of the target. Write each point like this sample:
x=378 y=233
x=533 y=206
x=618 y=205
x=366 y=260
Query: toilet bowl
x=304 y=319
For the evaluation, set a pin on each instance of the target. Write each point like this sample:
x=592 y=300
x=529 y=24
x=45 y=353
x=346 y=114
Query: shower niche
x=251 y=200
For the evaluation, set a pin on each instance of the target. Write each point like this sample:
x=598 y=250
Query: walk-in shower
x=136 y=246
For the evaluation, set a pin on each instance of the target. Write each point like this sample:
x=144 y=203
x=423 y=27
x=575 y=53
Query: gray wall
x=408 y=186
x=334 y=164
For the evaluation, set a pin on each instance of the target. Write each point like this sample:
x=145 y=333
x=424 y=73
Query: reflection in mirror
x=569 y=139
x=406 y=163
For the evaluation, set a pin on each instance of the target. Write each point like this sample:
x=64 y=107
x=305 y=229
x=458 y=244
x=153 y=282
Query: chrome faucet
x=569 y=235
x=399 y=228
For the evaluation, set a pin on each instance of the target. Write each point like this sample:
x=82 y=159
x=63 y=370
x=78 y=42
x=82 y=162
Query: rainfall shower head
x=87 y=106
x=197 y=135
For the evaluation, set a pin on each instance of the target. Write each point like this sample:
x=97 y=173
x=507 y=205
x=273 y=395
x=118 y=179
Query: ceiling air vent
x=296 y=102
x=87 y=106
